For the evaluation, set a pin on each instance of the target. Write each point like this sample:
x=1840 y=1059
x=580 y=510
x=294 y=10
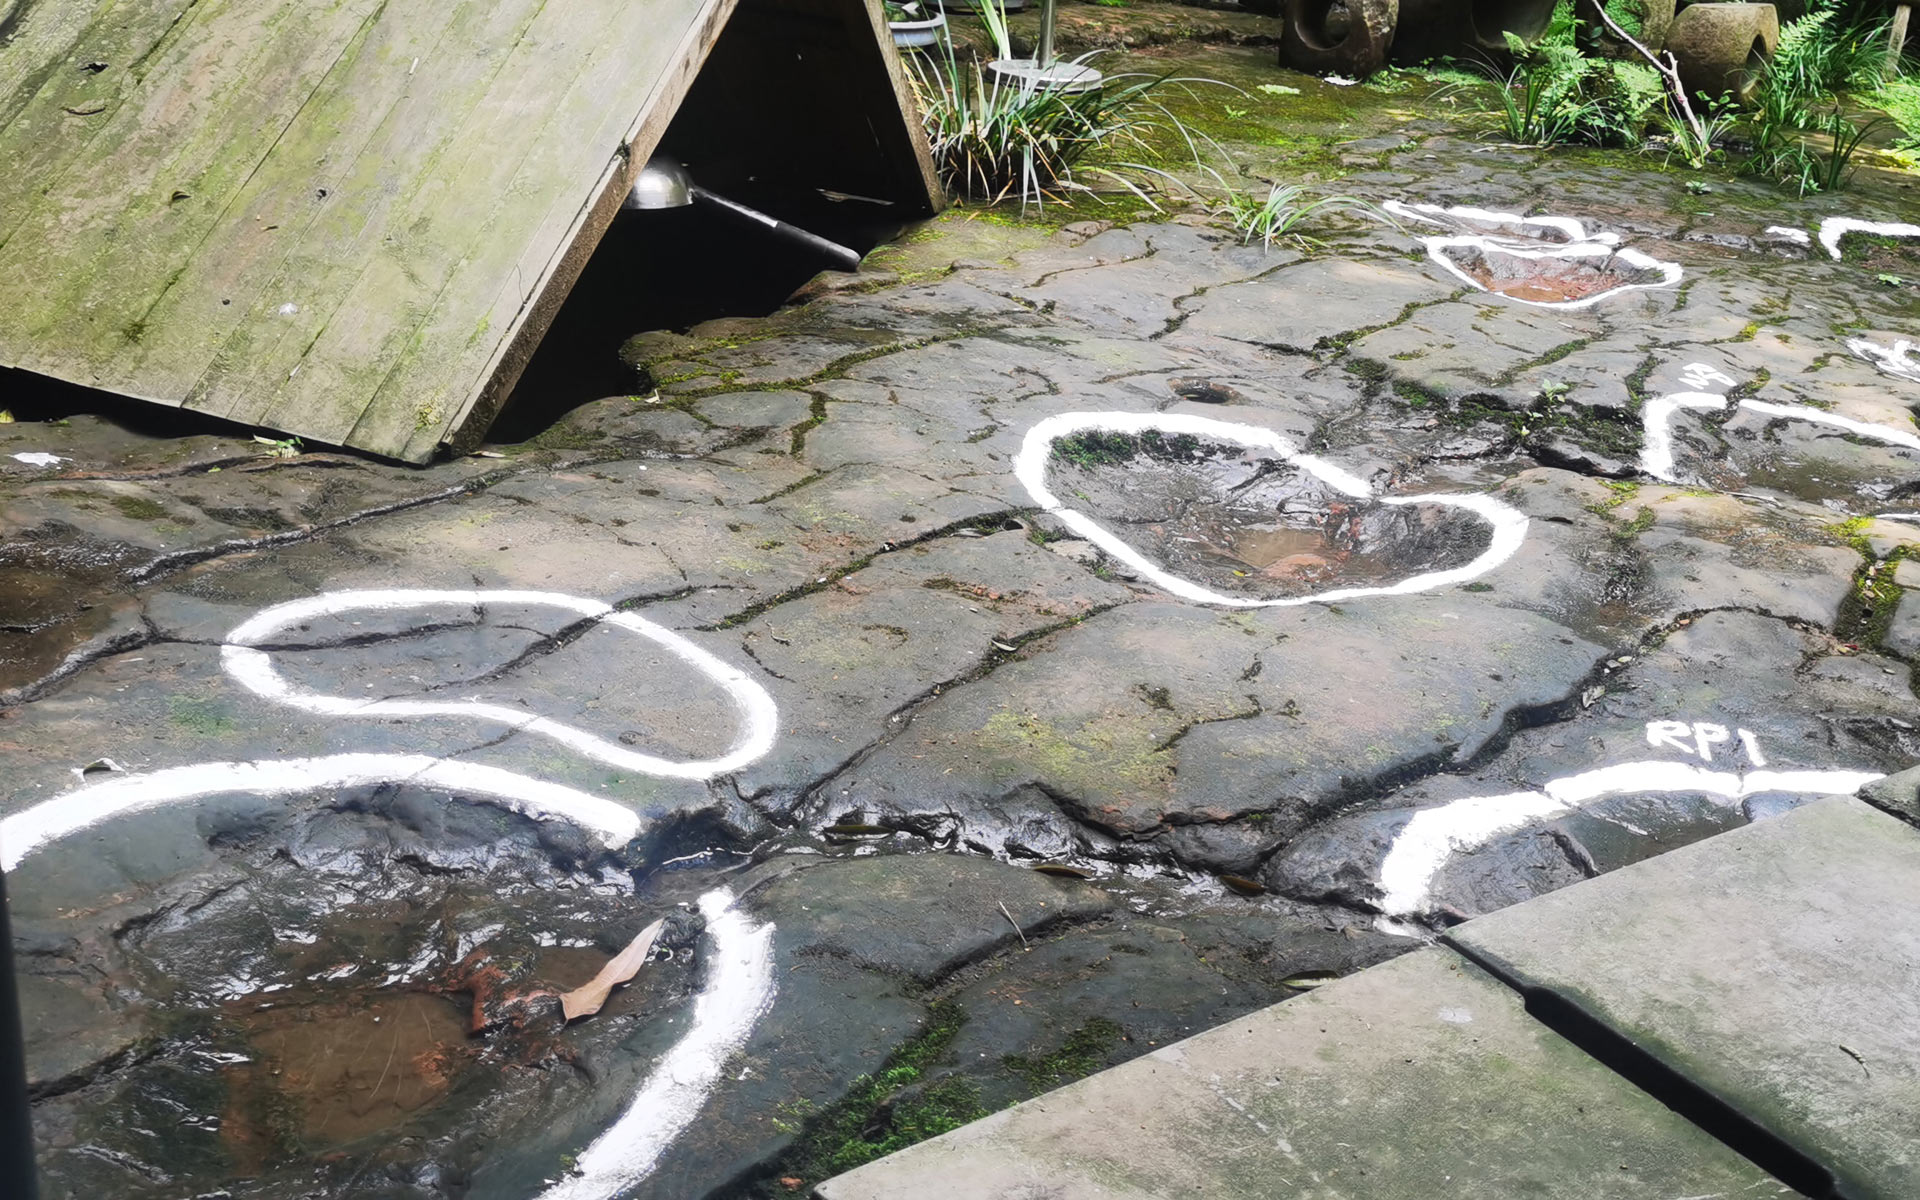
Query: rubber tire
x=1656 y=21
x=1717 y=45
x=1305 y=47
x=1466 y=29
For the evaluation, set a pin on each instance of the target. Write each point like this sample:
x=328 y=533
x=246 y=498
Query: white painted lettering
x=1672 y=734
x=1752 y=745
x=1707 y=735
x=1698 y=375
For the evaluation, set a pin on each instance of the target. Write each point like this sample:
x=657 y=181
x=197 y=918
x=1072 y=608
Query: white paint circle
x=1434 y=835
x=253 y=669
x=1437 y=247
x=1509 y=527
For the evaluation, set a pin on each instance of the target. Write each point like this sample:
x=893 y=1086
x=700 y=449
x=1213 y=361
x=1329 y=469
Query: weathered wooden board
x=345 y=219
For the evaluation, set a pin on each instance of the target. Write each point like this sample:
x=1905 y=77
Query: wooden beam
x=353 y=220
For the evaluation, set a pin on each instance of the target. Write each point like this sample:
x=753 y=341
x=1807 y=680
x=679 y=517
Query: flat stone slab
x=1775 y=966
x=1421 y=1077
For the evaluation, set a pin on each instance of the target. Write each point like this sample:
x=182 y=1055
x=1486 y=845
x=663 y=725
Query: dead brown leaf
x=588 y=998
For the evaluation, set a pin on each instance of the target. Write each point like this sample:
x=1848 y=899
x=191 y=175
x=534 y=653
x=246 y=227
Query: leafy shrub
x=993 y=139
x=1819 y=54
x=1555 y=94
x=1284 y=208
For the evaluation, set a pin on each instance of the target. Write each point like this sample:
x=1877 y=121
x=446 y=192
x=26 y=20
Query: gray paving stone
x=1903 y=634
x=1420 y=1078
x=1774 y=966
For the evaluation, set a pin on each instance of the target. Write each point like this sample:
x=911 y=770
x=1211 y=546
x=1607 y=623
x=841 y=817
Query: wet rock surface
x=1007 y=809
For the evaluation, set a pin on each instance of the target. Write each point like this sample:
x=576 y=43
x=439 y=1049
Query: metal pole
x=1043 y=57
x=17 y=1177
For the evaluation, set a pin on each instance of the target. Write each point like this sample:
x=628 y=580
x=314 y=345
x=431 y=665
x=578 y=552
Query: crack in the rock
x=106 y=1068
x=837 y=368
x=167 y=563
x=746 y=647
x=833 y=575
x=1576 y=853
x=902 y=716
x=78 y=660
x=1181 y=314
x=1179 y=735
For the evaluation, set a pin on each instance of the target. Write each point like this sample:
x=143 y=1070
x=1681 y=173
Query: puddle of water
x=1546 y=280
x=307 y=1017
x=1280 y=549
x=341 y=1068
x=1243 y=524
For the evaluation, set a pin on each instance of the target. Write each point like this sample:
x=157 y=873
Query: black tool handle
x=844 y=257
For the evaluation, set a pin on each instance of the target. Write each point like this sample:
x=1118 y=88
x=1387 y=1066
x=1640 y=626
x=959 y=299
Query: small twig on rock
x=1015 y=924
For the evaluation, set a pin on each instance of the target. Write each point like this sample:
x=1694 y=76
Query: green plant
x=1900 y=99
x=1836 y=166
x=993 y=15
x=278 y=447
x=1783 y=155
x=1282 y=210
x=1554 y=94
x=1696 y=138
x=992 y=139
x=1820 y=54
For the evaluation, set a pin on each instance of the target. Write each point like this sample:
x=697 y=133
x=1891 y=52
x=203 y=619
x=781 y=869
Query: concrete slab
x=1421 y=1077
x=1774 y=966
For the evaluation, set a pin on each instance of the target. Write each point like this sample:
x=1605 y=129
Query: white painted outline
x=1798 y=237
x=254 y=670
x=84 y=807
x=740 y=985
x=740 y=988
x=1427 y=842
x=1899 y=360
x=1437 y=246
x=1656 y=445
x=1509 y=526
x=1835 y=228
x=1577 y=243
x=1656 y=449
x=1569 y=228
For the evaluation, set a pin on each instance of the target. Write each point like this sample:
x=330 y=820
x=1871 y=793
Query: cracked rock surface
x=1024 y=811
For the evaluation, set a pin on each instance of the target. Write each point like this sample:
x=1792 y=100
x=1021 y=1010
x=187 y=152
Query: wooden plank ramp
x=344 y=219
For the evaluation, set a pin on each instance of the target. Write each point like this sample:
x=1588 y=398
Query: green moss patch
x=889 y=1110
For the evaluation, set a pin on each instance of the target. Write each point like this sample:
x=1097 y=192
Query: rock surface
x=858 y=676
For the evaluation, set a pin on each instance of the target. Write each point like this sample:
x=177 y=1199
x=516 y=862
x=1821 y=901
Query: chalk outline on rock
x=89 y=805
x=1898 y=360
x=1656 y=449
x=253 y=669
x=1579 y=244
x=740 y=987
x=1434 y=214
x=1835 y=228
x=1434 y=835
x=1509 y=526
